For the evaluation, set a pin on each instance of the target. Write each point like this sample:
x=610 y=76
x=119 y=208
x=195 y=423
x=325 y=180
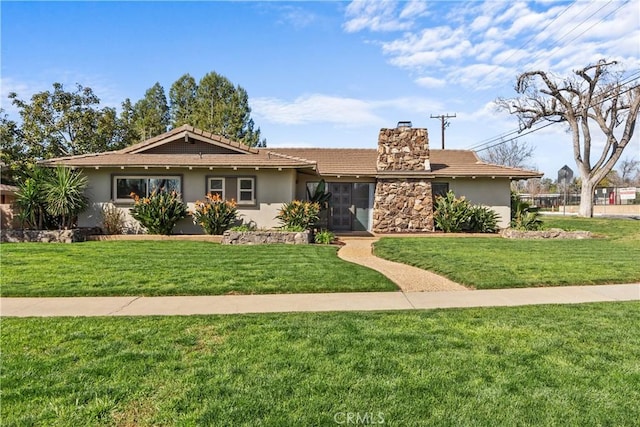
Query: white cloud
x=488 y=42
x=314 y=108
x=383 y=15
x=430 y=82
x=347 y=112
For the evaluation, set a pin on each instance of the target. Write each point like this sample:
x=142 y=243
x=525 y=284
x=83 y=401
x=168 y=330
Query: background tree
x=513 y=153
x=593 y=96
x=628 y=169
x=11 y=148
x=182 y=97
x=151 y=113
x=127 y=130
x=62 y=123
x=223 y=109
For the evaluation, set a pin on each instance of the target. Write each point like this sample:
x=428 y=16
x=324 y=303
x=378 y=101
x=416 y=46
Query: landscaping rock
x=47 y=236
x=553 y=233
x=265 y=237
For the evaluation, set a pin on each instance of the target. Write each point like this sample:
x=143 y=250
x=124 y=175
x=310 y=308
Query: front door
x=340 y=206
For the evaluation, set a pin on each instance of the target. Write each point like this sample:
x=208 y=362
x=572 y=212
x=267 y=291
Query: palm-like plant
x=65 y=195
x=31 y=198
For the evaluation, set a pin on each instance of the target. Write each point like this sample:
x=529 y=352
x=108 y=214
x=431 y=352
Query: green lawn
x=564 y=365
x=178 y=268
x=505 y=263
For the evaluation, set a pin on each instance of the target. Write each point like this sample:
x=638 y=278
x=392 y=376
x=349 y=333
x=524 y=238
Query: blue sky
x=329 y=73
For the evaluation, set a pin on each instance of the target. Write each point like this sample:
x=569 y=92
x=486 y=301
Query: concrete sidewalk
x=365 y=301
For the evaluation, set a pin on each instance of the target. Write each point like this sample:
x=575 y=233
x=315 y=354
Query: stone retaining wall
x=265 y=237
x=47 y=236
x=553 y=233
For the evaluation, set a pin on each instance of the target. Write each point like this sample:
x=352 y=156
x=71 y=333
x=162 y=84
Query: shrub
x=324 y=237
x=523 y=215
x=250 y=226
x=113 y=220
x=298 y=214
x=159 y=212
x=215 y=215
x=453 y=215
x=482 y=220
x=320 y=196
x=49 y=199
x=31 y=199
x=65 y=195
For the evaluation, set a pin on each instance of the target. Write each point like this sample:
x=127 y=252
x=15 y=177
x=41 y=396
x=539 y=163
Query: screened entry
x=351 y=206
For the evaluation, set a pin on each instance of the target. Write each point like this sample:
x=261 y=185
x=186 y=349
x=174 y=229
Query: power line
x=500 y=137
x=530 y=131
x=525 y=43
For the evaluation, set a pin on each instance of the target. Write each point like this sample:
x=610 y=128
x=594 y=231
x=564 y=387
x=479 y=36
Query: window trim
x=115 y=177
x=251 y=202
x=224 y=185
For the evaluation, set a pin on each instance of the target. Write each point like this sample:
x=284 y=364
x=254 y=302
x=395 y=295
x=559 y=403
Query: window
x=246 y=191
x=143 y=186
x=216 y=186
x=439 y=189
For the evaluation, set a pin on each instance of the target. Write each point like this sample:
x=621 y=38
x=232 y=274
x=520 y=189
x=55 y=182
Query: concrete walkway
x=236 y=304
x=359 y=250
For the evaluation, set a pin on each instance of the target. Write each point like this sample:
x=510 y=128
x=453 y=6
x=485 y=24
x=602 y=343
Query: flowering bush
x=159 y=212
x=215 y=215
x=299 y=214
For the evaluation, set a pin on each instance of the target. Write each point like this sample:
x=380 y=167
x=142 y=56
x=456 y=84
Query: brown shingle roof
x=444 y=163
x=337 y=161
x=263 y=159
x=327 y=161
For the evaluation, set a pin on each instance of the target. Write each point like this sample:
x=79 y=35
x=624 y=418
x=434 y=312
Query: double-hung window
x=216 y=186
x=246 y=191
x=242 y=189
x=143 y=186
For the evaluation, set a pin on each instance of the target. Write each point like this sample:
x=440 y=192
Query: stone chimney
x=403 y=149
x=403 y=198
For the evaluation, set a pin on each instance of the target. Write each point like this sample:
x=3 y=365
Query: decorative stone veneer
x=403 y=202
x=265 y=237
x=403 y=206
x=403 y=150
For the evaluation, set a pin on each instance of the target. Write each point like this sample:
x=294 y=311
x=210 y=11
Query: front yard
x=537 y=365
x=486 y=263
x=178 y=268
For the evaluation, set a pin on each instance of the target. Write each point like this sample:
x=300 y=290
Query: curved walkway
x=359 y=250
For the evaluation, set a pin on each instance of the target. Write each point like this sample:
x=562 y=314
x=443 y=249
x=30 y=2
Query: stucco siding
x=492 y=193
x=272 y=188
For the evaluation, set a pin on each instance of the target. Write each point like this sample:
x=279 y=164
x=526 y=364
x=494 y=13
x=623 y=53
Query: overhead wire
x=501 y=137
x=522 y=133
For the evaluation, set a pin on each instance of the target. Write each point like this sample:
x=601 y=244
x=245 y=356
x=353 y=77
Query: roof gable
x=188 y=140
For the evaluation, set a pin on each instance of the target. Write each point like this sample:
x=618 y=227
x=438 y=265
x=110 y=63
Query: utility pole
x=445 y=123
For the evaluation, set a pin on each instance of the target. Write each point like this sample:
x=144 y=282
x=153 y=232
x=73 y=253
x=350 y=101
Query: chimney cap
x=405 y=124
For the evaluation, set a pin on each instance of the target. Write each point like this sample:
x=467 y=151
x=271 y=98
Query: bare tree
x=628 y=169
x=592 y=96
x=511 y=153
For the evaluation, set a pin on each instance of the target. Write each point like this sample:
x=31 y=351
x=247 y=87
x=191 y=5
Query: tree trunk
x=586 y=199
